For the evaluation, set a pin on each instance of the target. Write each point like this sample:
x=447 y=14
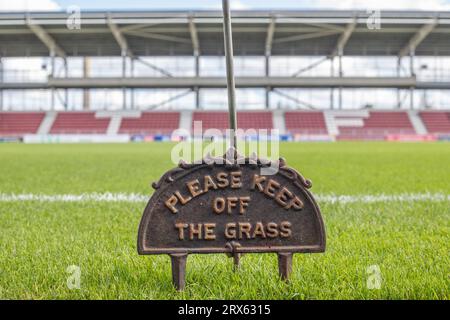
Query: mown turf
x=408 y=241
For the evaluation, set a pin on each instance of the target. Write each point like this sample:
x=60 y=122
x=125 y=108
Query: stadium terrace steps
x=245 y=120
x=20 y=123
x=114 y=124
x=278 y=121
x=417 y=122
x=79 y=123
x=436 y=121
x=47 y=123
x=150 y=123
x=305 y=122
x=378 y=125
x=330 y=123
x=186 y=120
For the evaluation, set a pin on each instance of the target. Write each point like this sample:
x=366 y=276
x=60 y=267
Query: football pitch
x=386 y=208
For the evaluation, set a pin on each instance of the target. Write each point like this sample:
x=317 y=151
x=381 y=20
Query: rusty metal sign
x=230 y=204
x=215 y=207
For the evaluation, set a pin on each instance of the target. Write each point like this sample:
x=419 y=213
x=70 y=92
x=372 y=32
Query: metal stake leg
x=236 y=261
x=285 y=265
x=179 y=270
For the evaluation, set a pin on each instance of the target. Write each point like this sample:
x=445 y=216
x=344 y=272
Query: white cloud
x=29 y=5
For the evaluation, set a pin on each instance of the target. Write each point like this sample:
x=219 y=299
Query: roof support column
x=124 y=74
x=268 y=53
x=197 y=98
x=125 y=52
x=399 y=101
x=1 y=80
x=332 y=89
x=132 y=106
x=411 y=62
x=52 y=74
x=418 y=37
x=413 y=74
x=339 y=51
x=425 y=99
x=196 y=53
x=340 y=76
x=411 y=98
x=66 y=91
x=45 y=38
x=86 y=92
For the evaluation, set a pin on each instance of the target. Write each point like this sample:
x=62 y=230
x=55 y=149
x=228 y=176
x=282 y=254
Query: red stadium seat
x=79 y=123
x=254 y=120
x=20 y=123
x=305 y=122
x=245 y=120
x=378 y=125
x=436 y=121
x=151 y=123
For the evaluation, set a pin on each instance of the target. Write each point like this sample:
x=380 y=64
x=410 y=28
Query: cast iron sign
x=230 y=204
x=220 y=207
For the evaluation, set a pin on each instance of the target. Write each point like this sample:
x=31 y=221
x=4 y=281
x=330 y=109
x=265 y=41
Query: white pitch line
x=370 y=198
x=84 y=197
x=135 y=197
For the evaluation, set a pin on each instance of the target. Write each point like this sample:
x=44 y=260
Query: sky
x=50 y=5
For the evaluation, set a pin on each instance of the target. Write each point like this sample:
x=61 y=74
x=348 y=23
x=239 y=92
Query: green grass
x=409 y=241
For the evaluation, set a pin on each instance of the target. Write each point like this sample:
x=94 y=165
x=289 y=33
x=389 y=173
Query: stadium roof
x=177 y=33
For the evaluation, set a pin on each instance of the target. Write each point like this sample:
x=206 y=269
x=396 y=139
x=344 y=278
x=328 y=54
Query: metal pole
x=413 y=74
x=52 y=62
x=86 y=92
x=132 y=89
x=425 y=103
x=411 y=62
x=197 y=64
x=332 y=89
x=66 y=91
x=228 y=40
x=340 y=76
x=124 y=74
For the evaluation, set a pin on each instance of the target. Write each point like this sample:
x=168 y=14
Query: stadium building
x=313 y=75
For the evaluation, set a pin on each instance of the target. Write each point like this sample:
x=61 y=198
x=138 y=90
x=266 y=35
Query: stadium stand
x=20 y=123
x=299 y=122
x=79 y=123
x=218 y=120
x=256 y=120
x=435 y=121
x=245 y=120
x=378 y=125
x=150 y=123
x=342 y=124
